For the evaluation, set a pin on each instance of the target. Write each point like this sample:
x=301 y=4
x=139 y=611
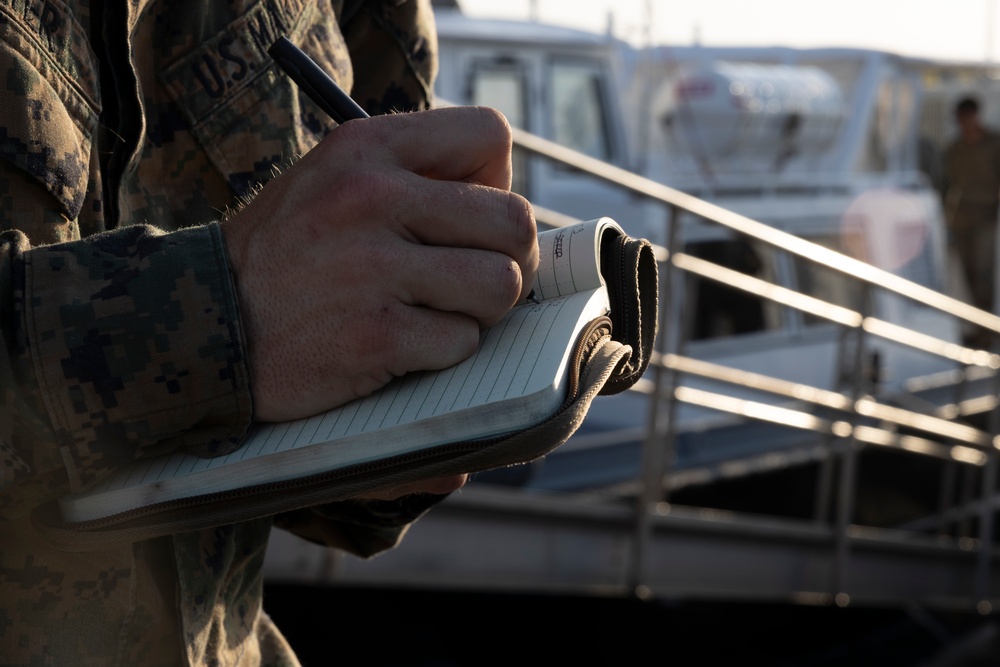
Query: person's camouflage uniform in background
x=126 y=125
x=972 y=202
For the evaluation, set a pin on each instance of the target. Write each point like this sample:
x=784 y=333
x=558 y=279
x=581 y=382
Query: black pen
x=314 y=82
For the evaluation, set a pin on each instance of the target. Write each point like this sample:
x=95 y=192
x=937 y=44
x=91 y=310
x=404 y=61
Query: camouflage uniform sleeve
x=118 y=346
x=127 y=344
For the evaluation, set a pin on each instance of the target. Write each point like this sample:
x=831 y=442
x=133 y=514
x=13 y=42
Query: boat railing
x=638 y=539
x=754 y=183
x=850 y=419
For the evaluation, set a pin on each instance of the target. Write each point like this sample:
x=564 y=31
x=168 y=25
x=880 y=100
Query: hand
x=382 y=251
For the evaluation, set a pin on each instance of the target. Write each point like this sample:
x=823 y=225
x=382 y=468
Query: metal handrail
x=867 y=407
x=743 y=225
x=593 y=543
x=969 y=446
x=806 y=421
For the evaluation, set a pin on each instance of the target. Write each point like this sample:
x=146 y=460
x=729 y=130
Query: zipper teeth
x=321 y=479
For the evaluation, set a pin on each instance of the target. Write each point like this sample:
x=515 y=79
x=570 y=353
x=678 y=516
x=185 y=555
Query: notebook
x=518 y=377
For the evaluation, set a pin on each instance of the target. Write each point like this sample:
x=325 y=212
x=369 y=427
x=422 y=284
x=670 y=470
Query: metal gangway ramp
x=633 y=539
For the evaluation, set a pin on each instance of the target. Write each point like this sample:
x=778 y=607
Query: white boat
x=830 y=145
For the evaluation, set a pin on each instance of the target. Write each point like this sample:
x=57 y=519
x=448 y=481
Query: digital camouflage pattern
x=126 y=128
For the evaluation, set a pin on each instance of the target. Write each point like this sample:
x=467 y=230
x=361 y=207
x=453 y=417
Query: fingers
x=416 y=339
x=458 y=215
x=420 y=307
x=410 y=215
x=383 y=251
x=478 y=283
x=452 y=144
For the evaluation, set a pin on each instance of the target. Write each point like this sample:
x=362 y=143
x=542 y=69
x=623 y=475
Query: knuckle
x=506 y=287
x=495 y=126
x=519 y=228
x=359 y=136
x=522 y=218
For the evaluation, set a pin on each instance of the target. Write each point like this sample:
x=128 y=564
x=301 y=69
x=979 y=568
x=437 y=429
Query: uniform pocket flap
x=47 y=68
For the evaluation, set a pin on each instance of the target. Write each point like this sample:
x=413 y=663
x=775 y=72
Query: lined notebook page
x=510 y=363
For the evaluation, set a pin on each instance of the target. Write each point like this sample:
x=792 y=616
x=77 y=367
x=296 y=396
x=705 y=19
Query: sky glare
x=963 y=30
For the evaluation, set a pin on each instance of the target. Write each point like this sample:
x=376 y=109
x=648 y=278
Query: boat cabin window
x=720 y=310
x=502 y=84
x=577 y=109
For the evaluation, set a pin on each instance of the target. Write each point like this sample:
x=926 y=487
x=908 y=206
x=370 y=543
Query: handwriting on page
x=566 y=261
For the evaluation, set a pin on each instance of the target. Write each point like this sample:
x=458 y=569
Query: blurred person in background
x=972 y=201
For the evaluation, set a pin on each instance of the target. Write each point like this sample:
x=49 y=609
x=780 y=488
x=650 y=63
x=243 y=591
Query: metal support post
x=660 y=431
